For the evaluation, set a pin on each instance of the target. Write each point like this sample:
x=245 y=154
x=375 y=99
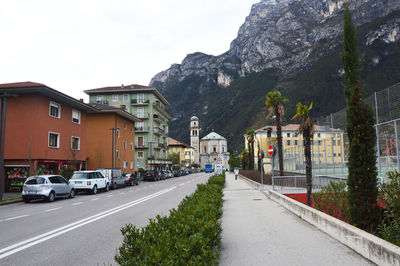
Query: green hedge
x=188 y=236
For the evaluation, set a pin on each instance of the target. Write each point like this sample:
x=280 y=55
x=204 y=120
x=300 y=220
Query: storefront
x=15 y=177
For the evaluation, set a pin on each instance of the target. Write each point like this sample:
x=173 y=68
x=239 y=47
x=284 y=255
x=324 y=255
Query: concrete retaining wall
x=369 y=246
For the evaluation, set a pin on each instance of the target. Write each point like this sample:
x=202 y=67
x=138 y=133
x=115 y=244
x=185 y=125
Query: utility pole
x=3 y=135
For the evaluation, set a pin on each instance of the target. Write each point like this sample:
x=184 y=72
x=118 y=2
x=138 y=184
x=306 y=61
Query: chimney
x=122 y=107
x=81 y=100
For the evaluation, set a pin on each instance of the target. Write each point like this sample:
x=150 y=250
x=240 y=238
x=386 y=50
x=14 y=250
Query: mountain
x=289 y=45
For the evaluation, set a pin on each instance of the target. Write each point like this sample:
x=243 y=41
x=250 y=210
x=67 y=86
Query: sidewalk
x=258 y=231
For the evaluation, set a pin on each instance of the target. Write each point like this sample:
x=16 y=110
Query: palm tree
x=275 y=102
x=250 y=142
x=306 y=128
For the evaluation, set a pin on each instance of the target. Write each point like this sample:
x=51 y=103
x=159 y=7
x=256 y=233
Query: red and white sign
x=270 y=150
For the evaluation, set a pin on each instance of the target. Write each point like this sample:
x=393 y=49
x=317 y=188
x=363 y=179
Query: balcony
x=143 y=145
x=160 y=146
x=159 y=131
x=161 y=109
x=142 y=129
x=139 y=102
x=159 y=119
x=143 y=115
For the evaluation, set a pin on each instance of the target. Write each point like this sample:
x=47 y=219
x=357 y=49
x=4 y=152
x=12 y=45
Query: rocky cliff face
x=287 y=35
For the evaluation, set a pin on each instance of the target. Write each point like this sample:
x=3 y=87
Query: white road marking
x=121 y=193
x=181 y=184
x=13 y=218
x=5 y=252
x=50 y=210
x=109 y=196
x=131 y=190
x=77 y=203
x=94 y=199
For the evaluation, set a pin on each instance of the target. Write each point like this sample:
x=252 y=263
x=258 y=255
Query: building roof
x=103 y=108
x=127 y=89
x=174 y=142
x=294 y=127
x=213 y=135
x=194 y=118
x=34 y=87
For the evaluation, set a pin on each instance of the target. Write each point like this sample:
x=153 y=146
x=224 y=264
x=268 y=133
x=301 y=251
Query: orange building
x=111 y=138
x=45 y=132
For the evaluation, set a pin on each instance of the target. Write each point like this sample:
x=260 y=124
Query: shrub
x=390 y=197
x=188 y=236
x=333 y=200
x=217 y=179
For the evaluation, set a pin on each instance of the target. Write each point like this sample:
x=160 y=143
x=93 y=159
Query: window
x=319 y=135
x=132 y=126
x=139 y=126
x=124 y=144
x=223 y=149
x=288 y=142
x=99 y=99
x=55 y=110
x=215 y=149
x=334 y=142
x=205 y=148
x=117 y=132
x=319 y=142
x=117 y=153
x=288 y=135
x=125 y=164
x=140 y=112
x=76 y=116
x=131 y=146
x=131 y=164
x=295 y=142
x=140 y=155
x=115 y=98
x=140 y=98
x=124 y=124
x=54 y=140
x=75 y=143
x=125 y=97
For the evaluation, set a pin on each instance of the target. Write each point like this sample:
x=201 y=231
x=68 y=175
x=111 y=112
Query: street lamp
x=3 y=134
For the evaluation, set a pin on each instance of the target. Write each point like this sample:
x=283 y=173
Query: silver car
x=48 y=187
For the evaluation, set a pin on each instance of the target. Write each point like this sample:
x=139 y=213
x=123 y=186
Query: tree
x=306 y=128
x=275 y=102
x=234 y=162
x=175 y=158
x=250 y=142
x=361 y=181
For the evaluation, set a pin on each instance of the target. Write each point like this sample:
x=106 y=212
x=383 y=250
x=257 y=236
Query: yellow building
x=327 y=145
x=186 y=153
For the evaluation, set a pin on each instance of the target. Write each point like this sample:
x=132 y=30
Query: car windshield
x=35 y=181
x=80 y=176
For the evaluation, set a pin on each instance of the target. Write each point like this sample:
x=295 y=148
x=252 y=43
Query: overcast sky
x=74 y=45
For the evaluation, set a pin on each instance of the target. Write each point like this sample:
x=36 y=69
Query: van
x=115 y=175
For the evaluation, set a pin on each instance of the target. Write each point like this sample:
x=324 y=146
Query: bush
x=188 y=236
x=333 y=200
x=217 y=179
x=390 y=198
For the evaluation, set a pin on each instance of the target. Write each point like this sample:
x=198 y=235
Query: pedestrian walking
x=236 y=171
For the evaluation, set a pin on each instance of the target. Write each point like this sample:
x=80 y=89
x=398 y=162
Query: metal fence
x=299 y=183
x=386 y=106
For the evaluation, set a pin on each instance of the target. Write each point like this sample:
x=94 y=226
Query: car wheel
x=107 y=187
x=72 y=193
x=27 y=200
x=114 y=186
x=94 y=190
x=51 y=197
x=132 y=183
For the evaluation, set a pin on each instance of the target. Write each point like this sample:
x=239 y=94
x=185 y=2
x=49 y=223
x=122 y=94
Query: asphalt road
x=85 y=230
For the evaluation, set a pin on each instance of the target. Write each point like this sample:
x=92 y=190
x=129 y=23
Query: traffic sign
x=271 y=150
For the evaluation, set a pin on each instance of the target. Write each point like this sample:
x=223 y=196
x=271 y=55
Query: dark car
x=131 y=179
x=164 y=174
x=151 y=175
x=175 y=173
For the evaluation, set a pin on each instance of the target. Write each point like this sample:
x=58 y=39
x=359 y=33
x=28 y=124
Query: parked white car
x=90 y=181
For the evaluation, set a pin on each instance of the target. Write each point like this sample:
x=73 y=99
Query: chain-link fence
x=386 y=106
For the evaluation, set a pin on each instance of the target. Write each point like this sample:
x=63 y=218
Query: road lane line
x=181 y=184
x=5 y=252
x=131 y=190
x=77 y=203
x=109 y=196
x=50 y=210
x=121 y=193
x=94 y=199
x=13 y=218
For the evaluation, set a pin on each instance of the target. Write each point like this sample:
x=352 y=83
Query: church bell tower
x=194 y=137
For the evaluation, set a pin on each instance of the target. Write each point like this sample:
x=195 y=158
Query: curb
x=10 y=202
x=367 y=245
